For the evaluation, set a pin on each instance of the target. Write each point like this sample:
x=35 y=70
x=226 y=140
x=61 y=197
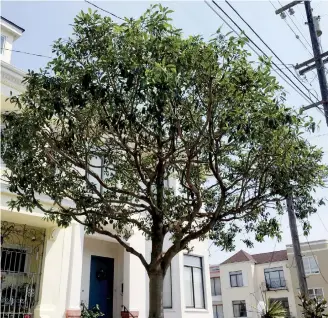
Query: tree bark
x=156 y=280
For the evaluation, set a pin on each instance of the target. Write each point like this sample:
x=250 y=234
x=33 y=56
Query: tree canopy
x=192 y=139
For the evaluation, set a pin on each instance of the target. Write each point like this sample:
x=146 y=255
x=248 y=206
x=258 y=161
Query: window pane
x=188 y=287
x=215 y=312
x=217 y=286
x=192 y=261
x=313 y=265
x=236 y=311
x=318 y=292
x=167 y=289
x=233 y=280
x=240 y=280
x=212 y=286
x=306 y=265
x=198 y=288
x=220 y=311
x=3 y=39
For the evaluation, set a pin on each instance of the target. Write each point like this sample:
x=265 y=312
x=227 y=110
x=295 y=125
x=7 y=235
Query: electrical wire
x=308 y=43
x=293 y=87
x=112 y=14
x=28 y=53
x=231 y=6
x=275 y=70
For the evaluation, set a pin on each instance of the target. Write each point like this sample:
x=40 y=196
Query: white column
x=134 y=287
x=75 y=272
x=54 y=276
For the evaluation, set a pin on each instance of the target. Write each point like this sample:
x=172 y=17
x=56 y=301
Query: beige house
x=216 y=291
x=248 y=280
x=315 y=260
x=242 y=283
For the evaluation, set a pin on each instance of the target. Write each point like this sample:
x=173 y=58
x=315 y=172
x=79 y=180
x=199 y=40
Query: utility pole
x=318 y=63
x=296 y=247
x=318 y=59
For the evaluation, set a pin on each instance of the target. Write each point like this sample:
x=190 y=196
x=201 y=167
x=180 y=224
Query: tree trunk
x=156 y=294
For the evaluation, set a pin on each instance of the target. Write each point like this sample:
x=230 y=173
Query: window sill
x=310 y=274
x=196 y=310
x=169 y=310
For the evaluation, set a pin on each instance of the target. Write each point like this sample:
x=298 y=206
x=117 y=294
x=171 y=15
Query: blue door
x=101 y=284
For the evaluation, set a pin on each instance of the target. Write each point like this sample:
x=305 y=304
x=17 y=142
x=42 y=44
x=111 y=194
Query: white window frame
x=314 y=294
x=216 y=312
x=237 y=273
x=316 y=261
x=240 y=303
x=215 y=292
x=193 y=286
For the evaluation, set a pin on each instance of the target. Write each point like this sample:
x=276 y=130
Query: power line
x=297 y=37
x=112 y=14
x=275 y=70
x=264 y=44
x=28 y=53
x=291 y=19
x=299 y=90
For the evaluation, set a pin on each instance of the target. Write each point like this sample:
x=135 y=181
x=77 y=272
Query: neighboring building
x=216 y=291
x=247 y=280
x=47 y=271
x=315 y=260
x=242 y=283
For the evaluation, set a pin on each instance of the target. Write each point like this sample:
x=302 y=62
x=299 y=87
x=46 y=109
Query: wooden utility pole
x=318 y=63
x=296 y=247
x=317 y=57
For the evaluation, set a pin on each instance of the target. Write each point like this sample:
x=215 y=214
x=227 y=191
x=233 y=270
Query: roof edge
x=13 y=24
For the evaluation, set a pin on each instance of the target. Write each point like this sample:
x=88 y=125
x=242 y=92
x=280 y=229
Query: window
x=215 y=286
x=217 y=311
x=274 y=278
x=3 y=42
x=315 y=293
x=193 y=282
x=310 y=265
x=167 y=289
x=236 y=279
x=239 y=308
x=284 y=302
x=13 y=260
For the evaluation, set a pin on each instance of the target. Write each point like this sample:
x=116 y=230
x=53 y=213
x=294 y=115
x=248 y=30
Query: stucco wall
x=320 y=251
x=230 y=294
x=281 y=293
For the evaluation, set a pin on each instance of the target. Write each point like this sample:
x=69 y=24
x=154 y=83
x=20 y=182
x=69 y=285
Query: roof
x=242 y=256
x=13 y=24
x=239 y=257
x=270 y=257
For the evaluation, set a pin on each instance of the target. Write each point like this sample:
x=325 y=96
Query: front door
x=101 y=284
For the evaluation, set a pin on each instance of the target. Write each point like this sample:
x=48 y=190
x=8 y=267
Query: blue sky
x=46 y=21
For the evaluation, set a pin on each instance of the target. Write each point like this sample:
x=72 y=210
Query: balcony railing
x=277 y=283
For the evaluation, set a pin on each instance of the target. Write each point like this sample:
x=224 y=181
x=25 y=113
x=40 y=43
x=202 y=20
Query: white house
x=47 y=271
x=247 y=281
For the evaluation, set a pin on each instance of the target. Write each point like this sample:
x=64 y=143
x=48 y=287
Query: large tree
x=154 y=105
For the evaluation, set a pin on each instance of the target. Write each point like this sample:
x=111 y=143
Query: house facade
x=248 y=280
x=216 y=291
x=48 y=272
x=241 y=284
x=315 y=260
